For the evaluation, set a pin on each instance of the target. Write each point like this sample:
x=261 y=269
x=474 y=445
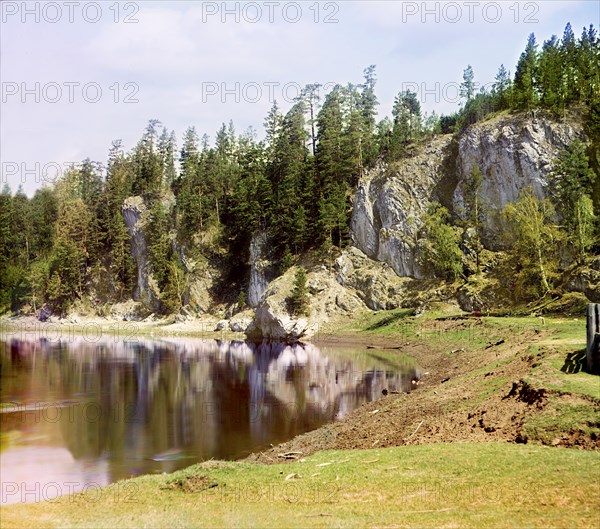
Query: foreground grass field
x=440 y=485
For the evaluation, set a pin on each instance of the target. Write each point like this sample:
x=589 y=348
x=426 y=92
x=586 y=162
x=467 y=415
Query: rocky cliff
x=389 y=204
x=135 y=214
x=258 y=268
x=512 y=152
x=382 y=269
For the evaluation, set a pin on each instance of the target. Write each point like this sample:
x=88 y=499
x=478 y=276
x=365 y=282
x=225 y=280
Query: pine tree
x=588 y=66
x=330 y=148
x=272 y=125
x=7 y=248
x=467 y=87
x=166 y=151
x=407 y=122
x=148 y=176
x=526 y=74
x=550 y=76
x=569 y=55
x=287 y=174
x=159 y=248
x=310 y=96
x=298 y=301
x=502 y=87
x=368 y=111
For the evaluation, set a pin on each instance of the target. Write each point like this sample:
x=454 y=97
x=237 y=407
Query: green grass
x=558 y=361
x=442 y=485
x=553 y=369
x=559 y=417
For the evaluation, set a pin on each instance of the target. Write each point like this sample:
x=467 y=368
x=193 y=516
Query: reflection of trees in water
x=208 y=398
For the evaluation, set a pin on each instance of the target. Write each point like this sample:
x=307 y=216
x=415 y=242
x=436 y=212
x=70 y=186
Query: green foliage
x=442 y=243
x=65 y=271
x=241 y=300
x=175 y=287
x=159 y=247
x=287 y=260
x=572 y=176
x=526 y=76
x=572 y=182
x=296 y=185
x=501 y=89
x=298 y=300
x=474 y=210
x=39 y=280
x=563 y=72
x=467 y=87
x=533 y=238
x=586 y=235
x=407 y=124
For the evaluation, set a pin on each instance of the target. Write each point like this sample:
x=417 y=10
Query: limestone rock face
x=258 y=267
x=512 y=153
x=327 y=297
x=135 y=214
x=389 y=204
x=239 y=324
x=222 y=325
x=128 y=311
x=587 y=281
x=377 y=285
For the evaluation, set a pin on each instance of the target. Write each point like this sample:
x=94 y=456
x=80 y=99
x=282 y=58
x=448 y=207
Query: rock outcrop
x=377 y=285
x=389 y=204
x=258 y=268
x=512 y=153
x=587 y=281
x=135 y=214
x=272 y=319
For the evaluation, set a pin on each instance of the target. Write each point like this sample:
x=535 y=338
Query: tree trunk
x=545 y=285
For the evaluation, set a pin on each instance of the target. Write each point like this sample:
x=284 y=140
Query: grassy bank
x=452 y=485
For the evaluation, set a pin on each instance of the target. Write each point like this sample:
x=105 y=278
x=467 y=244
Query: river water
x=76 y=414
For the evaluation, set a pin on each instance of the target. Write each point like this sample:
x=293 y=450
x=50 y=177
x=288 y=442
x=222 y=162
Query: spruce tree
x=298 y=301
x=526 y=75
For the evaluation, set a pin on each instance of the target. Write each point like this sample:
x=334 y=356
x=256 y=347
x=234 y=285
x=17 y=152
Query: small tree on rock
x=298 y=300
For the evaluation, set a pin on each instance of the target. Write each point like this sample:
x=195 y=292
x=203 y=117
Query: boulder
x=238 y=324
x=273 y=321
x=44 y=314
x=376 y=283
x=222 y=325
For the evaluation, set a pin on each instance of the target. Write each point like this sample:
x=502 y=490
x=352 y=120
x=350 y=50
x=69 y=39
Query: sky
x=76 y=75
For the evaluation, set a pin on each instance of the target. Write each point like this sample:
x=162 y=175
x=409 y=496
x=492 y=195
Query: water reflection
x=81 y=412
